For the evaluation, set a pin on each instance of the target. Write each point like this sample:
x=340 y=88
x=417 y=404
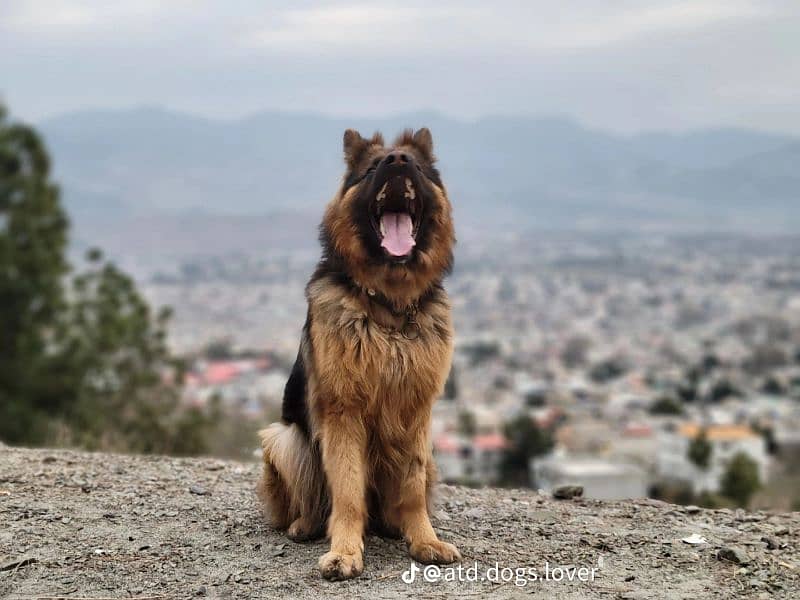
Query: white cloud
x=623 y=64
x=642 y=21
x=70 y=17
x=355 y=25
x=48 y=15
x=540 y=26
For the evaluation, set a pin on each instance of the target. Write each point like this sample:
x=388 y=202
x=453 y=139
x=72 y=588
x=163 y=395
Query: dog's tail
x=293 y=484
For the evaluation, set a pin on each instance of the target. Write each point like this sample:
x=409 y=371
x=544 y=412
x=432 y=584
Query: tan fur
x=370 y=392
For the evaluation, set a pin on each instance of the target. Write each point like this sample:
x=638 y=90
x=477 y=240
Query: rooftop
x=717 y=432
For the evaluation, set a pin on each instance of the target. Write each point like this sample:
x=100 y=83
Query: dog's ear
x=424 y=143
x=355 y=145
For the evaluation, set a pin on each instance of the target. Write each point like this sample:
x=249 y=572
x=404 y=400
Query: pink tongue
x=397 y=233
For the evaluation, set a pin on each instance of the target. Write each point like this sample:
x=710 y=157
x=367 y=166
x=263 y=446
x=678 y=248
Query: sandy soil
x=76 y=525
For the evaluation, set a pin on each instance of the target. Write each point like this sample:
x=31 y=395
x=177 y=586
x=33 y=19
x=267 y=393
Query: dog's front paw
x=337 y=567
x=435 y=552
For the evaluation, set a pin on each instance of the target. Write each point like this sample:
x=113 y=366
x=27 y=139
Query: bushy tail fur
x=293 y=484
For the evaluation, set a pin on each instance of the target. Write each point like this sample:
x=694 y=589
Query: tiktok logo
x=410 y=574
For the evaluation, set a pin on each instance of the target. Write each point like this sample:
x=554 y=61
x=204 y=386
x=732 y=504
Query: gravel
x=157 y=527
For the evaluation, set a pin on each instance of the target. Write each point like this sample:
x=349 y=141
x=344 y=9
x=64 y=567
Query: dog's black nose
x=397 y=158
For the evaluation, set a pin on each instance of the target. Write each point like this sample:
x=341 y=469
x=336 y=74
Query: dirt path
x=79 y=525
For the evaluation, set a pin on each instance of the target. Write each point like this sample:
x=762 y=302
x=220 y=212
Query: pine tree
x=525 y=440
x=123 y=377
x=700 y=450
x=33 y=237
x=88 y=359
x=740 y=480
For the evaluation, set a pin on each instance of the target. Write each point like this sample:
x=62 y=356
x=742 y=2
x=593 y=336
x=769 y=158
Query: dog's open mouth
x=395 y=217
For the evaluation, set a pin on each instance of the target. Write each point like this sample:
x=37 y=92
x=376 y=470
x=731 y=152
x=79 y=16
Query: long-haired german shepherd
x=353 y=446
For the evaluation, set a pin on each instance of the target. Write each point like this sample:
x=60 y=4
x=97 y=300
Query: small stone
x=86 y=488
x=733 y=554
x=201 y=591
x=567 y=492
x=199 y=490
x=772 y=543
x=692 y=509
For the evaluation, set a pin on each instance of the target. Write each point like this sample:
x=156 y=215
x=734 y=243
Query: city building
x=602 y=479
x=725 y=440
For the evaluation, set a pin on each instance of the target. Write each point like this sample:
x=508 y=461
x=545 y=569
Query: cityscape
x=625 y=352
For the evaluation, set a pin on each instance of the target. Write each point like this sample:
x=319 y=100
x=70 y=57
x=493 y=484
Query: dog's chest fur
x=358 y=360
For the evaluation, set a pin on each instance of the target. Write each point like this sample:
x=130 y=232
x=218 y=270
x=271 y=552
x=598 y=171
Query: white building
x=726 y=441
x=601 y=479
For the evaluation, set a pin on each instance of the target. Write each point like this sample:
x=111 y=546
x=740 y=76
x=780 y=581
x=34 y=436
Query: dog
x=352 y=450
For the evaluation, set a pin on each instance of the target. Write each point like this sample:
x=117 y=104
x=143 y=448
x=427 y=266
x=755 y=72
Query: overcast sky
x=619 y=65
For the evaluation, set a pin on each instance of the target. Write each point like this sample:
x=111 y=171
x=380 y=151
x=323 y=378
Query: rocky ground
x=76 y=525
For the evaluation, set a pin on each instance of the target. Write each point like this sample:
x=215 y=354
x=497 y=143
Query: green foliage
x=768 y=433
x=608 y=370
x=711 y=500
x=722 y=389
x=466 y=423
x=480 y=352
x=676 y=492
x=219 y=350
x=666 y=405
x=85 y=357
x=451 y=385
x=122 y=377
x=700 y=450
x=33 y=237
x=740 y=480
x=773 y=386
x=687 y=391
x=525 y=440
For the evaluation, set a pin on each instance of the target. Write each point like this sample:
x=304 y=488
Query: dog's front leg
x=413 y=519
x=343 y=457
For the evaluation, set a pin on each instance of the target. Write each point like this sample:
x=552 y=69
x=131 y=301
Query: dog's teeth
x=410 y=193
x=383 y=229
x=382 y=193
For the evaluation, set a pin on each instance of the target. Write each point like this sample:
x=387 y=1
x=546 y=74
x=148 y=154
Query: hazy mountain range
x=132 y=172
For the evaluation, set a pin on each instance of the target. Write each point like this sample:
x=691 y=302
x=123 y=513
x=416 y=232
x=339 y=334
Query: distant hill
x=130 y=166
